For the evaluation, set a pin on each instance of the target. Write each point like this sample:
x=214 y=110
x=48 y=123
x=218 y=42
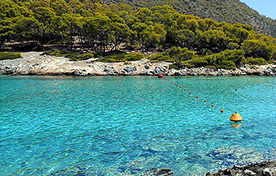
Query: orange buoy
x=213 y=105
x=197 y=96
x=222 y=111
x=205 y=100
x=185 y=89
x=190 y=92
x=236 y=117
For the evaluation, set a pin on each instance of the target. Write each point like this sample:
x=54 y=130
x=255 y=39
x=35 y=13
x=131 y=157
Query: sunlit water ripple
x=127 y=125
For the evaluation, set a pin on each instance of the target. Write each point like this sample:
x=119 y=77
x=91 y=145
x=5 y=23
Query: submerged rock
x=235 y=155
x=158 y=172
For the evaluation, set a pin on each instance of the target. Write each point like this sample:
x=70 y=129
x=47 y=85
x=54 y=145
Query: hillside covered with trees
x=185 y=40
x=231 y=11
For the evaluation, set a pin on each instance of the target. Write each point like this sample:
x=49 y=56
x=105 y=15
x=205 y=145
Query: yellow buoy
x=236 y=117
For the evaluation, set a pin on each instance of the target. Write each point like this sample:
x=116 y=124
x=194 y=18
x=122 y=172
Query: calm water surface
x=128 y=125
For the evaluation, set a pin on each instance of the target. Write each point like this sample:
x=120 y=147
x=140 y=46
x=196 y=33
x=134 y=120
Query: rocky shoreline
x=33 y=63
x=265 y=168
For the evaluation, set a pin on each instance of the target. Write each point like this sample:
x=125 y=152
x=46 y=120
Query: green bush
x=154 y=61
x=84 y=56
x=134 y=56
x=51 y=53
x=256 y=61
x=123 y=57
x=251 y=66
x=181 y=54
x=6 y=55
x=127 y=63
x=57 y=53
x=174 y=66
x=187 y=64
x=233 y=45
x=113 y=58
x=164 y=56
x=228 y=59
x=175 y=55
x=110 y=53
x=199 y=62
x=210 y=66
x=226 y=65
x=195 y=62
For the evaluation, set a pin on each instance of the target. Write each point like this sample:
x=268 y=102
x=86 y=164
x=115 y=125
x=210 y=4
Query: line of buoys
x=234 y=117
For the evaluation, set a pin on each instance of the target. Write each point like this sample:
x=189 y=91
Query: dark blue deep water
x=128 y=125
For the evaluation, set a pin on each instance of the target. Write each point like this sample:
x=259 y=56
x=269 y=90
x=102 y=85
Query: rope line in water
x=235 y=117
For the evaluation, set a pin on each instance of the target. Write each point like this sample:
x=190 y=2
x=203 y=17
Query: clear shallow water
x=127 y=125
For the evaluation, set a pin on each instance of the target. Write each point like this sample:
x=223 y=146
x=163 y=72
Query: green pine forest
x=184 y=40
x=231 y=11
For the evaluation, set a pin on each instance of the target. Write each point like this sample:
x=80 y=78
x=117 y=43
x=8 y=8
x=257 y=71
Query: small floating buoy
x=190 y=92
x=213 y=105
x=185 y=89
x=160 y=76
x=197 y=96
x=180 y=86
x=205 y=100
x=222 y=111
x=236 y=117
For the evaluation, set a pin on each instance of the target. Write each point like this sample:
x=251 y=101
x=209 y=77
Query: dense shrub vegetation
x=228 y=59
x=185 y=40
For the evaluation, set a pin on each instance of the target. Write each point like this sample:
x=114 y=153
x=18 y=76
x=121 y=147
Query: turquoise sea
x=100 y=126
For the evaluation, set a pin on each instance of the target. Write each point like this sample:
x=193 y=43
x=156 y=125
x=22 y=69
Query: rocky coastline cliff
x=34 y=63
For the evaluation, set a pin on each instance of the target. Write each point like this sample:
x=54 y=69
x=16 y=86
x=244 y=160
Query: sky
x=264 y=7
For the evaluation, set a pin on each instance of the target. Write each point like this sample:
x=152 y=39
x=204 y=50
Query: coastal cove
x=137 y=88
x=103 y=125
